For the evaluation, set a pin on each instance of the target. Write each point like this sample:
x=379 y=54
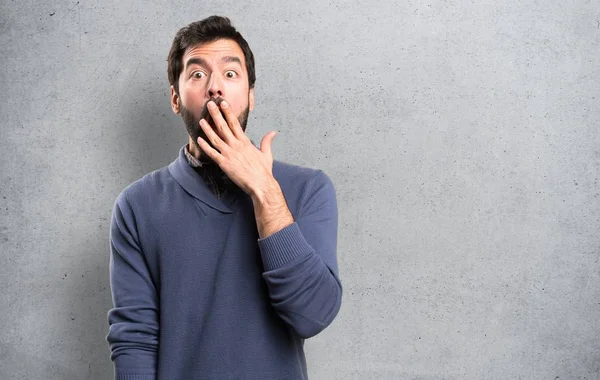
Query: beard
x=192 y=124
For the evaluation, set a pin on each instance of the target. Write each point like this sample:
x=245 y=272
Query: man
x=223 y=262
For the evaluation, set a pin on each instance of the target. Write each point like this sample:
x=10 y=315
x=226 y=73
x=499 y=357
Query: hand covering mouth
x=205 y=113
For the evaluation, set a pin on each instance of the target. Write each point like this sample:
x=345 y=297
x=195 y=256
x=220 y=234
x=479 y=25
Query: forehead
x=214 y=51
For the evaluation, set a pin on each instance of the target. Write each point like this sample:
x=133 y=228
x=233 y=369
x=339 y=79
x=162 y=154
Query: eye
x=230 y=74
x=197 y=74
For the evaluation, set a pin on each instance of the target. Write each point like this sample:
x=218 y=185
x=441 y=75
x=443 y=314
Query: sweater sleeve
x=133 y=321
x=300 y=262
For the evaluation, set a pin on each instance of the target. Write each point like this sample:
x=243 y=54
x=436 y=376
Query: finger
x=220 y=122
x=232 y=120
x=211 y=135
x=210 y=152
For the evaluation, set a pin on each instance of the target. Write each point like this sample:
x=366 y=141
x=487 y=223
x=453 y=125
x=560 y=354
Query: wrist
x=265 y=194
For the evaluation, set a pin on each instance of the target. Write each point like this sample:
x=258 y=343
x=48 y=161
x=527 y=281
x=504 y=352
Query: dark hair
x=208 y=30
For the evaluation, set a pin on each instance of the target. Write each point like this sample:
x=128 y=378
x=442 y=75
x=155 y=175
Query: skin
x=221 y=75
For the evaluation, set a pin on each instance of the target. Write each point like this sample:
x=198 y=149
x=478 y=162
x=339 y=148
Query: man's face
x=212 y=71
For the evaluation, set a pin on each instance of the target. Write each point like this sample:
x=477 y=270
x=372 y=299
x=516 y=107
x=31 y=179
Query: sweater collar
x=192 y=183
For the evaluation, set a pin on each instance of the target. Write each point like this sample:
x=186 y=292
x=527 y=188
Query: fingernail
x=224 y=104
x=211 y=104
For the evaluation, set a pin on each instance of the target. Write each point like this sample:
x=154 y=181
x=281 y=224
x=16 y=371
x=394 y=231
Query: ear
x=174 y=100
x=251 y=99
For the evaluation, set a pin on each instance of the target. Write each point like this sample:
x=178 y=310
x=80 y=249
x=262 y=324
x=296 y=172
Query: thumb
x=265 y=144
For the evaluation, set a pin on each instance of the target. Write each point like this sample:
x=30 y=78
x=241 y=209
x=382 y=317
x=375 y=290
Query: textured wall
x=463 y=140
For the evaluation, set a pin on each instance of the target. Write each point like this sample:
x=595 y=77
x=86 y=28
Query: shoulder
x=299 y=183
x=288 y=174
x=145 y=188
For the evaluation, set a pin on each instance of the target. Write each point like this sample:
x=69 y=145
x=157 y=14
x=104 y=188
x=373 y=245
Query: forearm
x=270 y=209
x=304 y=291
x=299 y=254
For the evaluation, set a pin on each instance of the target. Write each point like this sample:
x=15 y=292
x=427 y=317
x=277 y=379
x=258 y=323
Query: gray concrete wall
x=463 y=139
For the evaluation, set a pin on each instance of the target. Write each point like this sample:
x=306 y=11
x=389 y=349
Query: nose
x=215 y=87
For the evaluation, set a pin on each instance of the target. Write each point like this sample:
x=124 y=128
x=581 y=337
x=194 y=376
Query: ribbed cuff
x=136 y=376
x=283 y=246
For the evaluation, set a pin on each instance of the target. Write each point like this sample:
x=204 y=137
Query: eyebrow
x=201 y=62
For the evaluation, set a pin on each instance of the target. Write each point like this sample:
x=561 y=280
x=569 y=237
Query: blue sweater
x=196 y=293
